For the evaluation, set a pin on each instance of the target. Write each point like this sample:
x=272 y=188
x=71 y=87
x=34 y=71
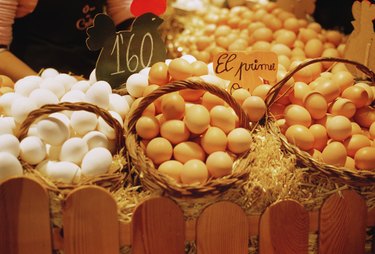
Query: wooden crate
x=91 y=225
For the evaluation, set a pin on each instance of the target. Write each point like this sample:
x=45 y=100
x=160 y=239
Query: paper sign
x=300 y=8
x=360 y=45
x=245 y=69
x=125 y=52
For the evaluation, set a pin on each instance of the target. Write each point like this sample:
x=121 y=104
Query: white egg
x=95 y=139
x=104 y=85
x=42 y=166
x=63 y=171
x=10 y=144
x=7 y=125
x=145 y=71
x=21 y=108
x=92 y=77
x=41 y=96
x=53 y=152
x=129 y=99
x=67 y=80
x=10 y=166
x=97 y=161
x=73 y=150
x=74 y=96
x=82 y=85
x=83 y=122
x=27 y=84
x=32 y=150
x=98 y=94
x=55 y=86
x=52 y=131
x=32 y=131
x=118 y=104
x=105 y=128
x=189 y=58
x=49 y=73
x=6 y=102
x=62 y=117
x=136 y=84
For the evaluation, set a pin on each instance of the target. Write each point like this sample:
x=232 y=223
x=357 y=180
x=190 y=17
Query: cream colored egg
x=63 y=171
x=82 y=85
x=194 y=172
x=135 y=84
x=62 y=117
x=26 y=85
x=7 y=125
x=315 y=104
x=254 y=107
x=320 y=136
x=67 y=80
x=32 y=150
x=98 y=94
x=335 y=154
x=21 y=107
x=239 y=140
x=118 y=104
x=6 y=102
x=300 y=136
x=83 y=121
x=52 y=131
x=53 y=152
x=96 y=162
x=73 y=96
x=172 y=169
x=339 y=128
x=42 y=97
x=188 y=150
x=159 y=150
x=10 y=144
x=296 y=114
x=175 y=131
x=95 y=139
x=73 y=150
x=49 y=73
x=9 y=166
x=219 y=164
x=356 y=142
x=223 y=118
x=213 y=140
x=54 y=86
x=197 y=119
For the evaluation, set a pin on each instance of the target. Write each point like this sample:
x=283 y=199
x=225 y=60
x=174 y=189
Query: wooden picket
x=91 y=224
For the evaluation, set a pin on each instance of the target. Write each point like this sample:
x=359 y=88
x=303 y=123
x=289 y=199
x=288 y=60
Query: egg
x=105 y=128
x=328 y=89
x=213 y=140
x=172 y=169
x=73 y=96
x=7 y=125
x=21 y=108
x=159 y=150
x=356 y=142
x=118 y=104
x=95 y=139
x=300 y=90
x=296 y=114
x=159 y=74
x=344 y=79
x=254 y=107
x=180 y=69
x=372 y=130
x=147 y=127
x=315 y=104
x=63 y=171
x=66 y=79
x=49 y=73
x=197 y=119
x=241 y=94
x=260 y=91
x=135 y=84
x=96 y=162
x=209 y=100
x=83 y=121
x=52 y=131
x=320 y=136
x=82 y=85
x=42 y=97
x=369 y=91
x=146 y=71
x=343 y=107
x=175 y=131
x=10 y=144
x=6 y=102
x=191 y=95
x=219 y=164
x=26 y=85
x=239 y=140
x=9 y=166
x=53 y=152
x=223 y=118
x=188 y=150
x=365 y=116
x=199 y=68
x=300 y=136
x=32 y=150
x=339 y=128
x=54 y=86
x=73 y=150
x=349 y=163
x=194 y=172
x=62 y=117
x=365 y=158
x=173 y=106
x=98 y=94
x=357 y=95
x=334 y=154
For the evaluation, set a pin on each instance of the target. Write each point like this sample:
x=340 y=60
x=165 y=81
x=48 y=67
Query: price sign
x=125 y=52
x=246 y=70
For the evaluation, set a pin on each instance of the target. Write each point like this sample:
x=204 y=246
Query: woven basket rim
x=345 y=175
x=112 y=179
x=154 y=180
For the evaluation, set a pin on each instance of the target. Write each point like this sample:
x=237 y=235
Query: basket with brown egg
x=66 y=145
x=196 y=146
x=327 y=118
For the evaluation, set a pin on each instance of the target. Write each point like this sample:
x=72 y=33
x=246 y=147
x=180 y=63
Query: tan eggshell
x=159 y=150
x=254 y=107
x=223 y=118
x=175 y=131
x=9 y=166
x=159 y=74
x=356 y=142
x=239 y=140
x=219 y=164
x=320 y=136
x=315 y=104
x=188 y=150
x=194 y=172
x=334 y=154
x=213 y=140
x=197 y=119
x=173 y=106
x=147 y=127
x=296 y=114
x=365 y=158
x=300 y=136
x=180 y=69
x=339 y=128
x=357 y=95
x=342 y=106
x=172 y=169
x=329 y=89
x=365 y=116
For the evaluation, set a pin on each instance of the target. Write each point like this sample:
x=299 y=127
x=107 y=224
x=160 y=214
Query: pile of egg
x=63 y=145
x=189 y=135
x=329 y=115
x=261 y=27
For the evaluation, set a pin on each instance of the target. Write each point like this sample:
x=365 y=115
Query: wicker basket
x=112 y=180
x=342 y=174
x=151 y=179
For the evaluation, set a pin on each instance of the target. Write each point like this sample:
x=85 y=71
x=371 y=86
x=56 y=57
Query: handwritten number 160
x=132 y=60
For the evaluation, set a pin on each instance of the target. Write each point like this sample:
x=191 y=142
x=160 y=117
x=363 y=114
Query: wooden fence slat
x=343 y=224
x=24 y=217
x=222 y=228
x=90 y=222
x=158 y=227
x=284 y=228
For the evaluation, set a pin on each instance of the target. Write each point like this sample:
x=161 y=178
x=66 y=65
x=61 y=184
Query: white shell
x=118 y=104
x=63 y=171
x=9 y=144
x=95 y=139
x=98 y=94
x=52 y=131
x=67 y=80
x=49 y=73
x=41 y=96
x=26 y=85
x=82 y=85
x=7 y=125
x=6 y=102
x=9 y=166
x=33 y=150
x=83 y=122
x=73 y=150
x=21 y=108
x=136 y=84
x=55 y=86
x=97 y=161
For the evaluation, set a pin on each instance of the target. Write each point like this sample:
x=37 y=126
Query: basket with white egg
x=180 y=162
x=58 y=151
x=332 y=129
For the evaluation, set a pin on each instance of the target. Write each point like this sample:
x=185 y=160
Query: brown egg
x=315 y=104
x=194 y=172
x=334 y=36
x=254 y=25
x=188 y=150
x=219 y=164
x=209 y=100
x=191 y=95
x=197 y=119
x=213 y=140
x=306 y=34
x=287 y=38
x=308 y=73
x=180 y=69
x=261 y=91
x=261 y=45
x=315 y=26
x=356 y=129
x=334 y=154
x=342 y=106
x=159 y=74
x=254 y=107
x=291 y=24
x=6 y=81
x=370 y=93
x=329 y=52
x=172 y=106
x=203 y=42
x=172 y=169
x=239 y=140
x=349 y=163
x=223 y=118
x=344 y=79
x=320 y=136
x=357 y=95
x=314 y=48
x=339 y=128
x=300 y=136
x=281 y=49
x=365 y=116
x=356 y=142
x=365 y=158
x=175 y=131
x=240 y=95
x=372 y=131
x=199 y=68
x=147 y=127
x=262 y=34
x=149 y=89
x=284 y=61
x=159 y=150
x=222 y=30
x=329 y=89
x=296 y=114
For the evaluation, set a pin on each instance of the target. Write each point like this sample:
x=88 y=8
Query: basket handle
x=187 y=84
x=53 y=108
x=274 y=91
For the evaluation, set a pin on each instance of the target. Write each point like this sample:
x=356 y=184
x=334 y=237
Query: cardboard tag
x=129 y=51
x=300 y=8
x=247 y=70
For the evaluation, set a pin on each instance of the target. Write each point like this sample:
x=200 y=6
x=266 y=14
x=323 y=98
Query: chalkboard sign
x=125 y=52
x=246 y=70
